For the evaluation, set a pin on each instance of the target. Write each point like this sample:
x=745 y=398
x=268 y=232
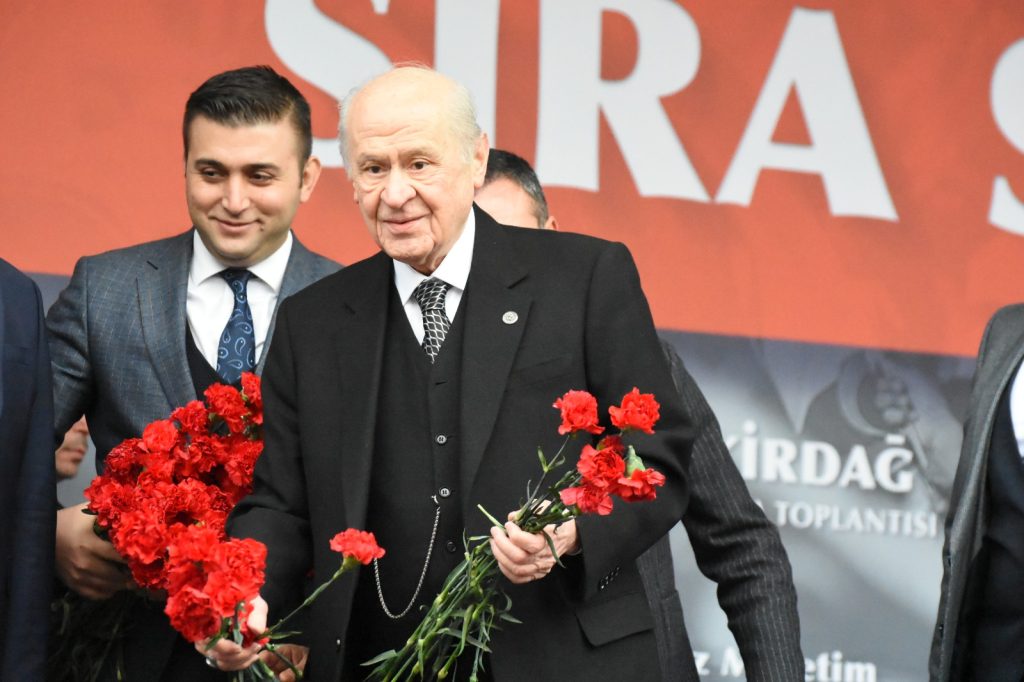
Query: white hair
x=460 y=105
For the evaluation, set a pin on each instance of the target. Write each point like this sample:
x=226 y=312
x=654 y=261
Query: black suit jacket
x=736 y=546
x=1002 y=349
x=581 y=322
x=27 y=478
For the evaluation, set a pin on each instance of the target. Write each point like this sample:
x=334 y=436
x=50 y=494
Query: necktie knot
x=237 y=279
x=430 y=294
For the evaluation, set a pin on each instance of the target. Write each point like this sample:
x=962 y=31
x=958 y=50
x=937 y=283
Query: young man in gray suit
x=979 y=633
x=734 y=543
x=142 y=330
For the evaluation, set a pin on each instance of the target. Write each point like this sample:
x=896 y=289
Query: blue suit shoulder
x=17 y=286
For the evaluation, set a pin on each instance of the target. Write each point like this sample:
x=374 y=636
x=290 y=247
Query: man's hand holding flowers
x=524 y=557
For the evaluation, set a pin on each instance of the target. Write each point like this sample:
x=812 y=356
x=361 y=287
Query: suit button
x=337 y=644
x=941 y=629
x=441 y=439
x=451 y=546
x=444 y=492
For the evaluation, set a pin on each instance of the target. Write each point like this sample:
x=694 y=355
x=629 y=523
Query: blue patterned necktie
x=430 y=294
x=237 y=350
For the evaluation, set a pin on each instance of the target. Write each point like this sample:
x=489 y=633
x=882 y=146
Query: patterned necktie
x=237 y=350
x=430 y=294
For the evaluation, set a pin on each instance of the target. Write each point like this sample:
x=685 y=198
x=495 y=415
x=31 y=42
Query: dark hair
x=502 y=164
x=248 y=96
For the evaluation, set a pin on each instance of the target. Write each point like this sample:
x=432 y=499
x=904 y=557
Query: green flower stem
x=348 y=564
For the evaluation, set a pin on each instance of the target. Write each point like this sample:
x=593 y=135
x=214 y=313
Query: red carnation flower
x=226 y=402
x=579 y=413
x=161 y=436
x=192 y=614
x=613 y=443
x=600 y=468
x=639 y=486
x=358 y=544
x=253 y=394
x=589 y=499
x=193 y=418
x=638 y=411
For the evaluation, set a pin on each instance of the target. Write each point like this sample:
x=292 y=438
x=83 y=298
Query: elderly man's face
x=412 y=180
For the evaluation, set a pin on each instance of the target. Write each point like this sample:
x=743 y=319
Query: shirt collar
x=454 y=269
x=270 y=270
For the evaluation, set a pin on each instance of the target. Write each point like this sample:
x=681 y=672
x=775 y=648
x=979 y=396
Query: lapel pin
x=510 y=317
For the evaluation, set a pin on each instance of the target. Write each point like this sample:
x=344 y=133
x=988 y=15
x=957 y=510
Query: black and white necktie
x=430 y=294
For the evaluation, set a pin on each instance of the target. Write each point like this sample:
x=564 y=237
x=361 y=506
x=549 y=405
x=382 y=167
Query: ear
x=310 y=174
x=551 y=223
x=480 y=153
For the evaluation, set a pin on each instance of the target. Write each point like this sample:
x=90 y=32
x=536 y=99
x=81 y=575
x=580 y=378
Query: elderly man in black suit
x=734 y=543
x=374 y=422
x=27 y=478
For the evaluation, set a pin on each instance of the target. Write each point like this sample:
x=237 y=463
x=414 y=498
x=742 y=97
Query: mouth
x=400 y=223
x=234 y=225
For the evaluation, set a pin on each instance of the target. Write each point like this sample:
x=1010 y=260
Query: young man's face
x=243 y=185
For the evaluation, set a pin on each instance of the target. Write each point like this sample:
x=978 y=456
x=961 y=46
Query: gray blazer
x=117 y=336
x=736 y=546
x=1002 y=348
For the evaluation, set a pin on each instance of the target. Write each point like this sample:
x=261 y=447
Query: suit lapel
x=496 y=316
x=994 y=383
x=357 y=332
x=162 y=288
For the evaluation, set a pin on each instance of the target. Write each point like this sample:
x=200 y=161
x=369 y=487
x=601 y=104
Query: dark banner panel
x=852 y=453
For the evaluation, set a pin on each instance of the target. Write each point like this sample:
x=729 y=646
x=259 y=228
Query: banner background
x=818 y=194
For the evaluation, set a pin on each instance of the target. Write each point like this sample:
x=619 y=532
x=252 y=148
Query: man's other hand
x=86 y=563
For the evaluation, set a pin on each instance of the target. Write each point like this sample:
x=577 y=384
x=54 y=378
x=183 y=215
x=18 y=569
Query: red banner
x=827 y=171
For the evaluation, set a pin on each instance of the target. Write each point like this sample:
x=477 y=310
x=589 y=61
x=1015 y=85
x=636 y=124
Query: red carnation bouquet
x=471 y=604
x=162 y=501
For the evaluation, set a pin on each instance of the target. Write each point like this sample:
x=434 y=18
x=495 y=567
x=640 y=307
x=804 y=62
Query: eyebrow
x=249 y=168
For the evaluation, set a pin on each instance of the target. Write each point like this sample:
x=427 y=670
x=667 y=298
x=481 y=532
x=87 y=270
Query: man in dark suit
x=734 y=543
x=27 y=478
x=979 y=633
x=142 y=330
x=367 y=426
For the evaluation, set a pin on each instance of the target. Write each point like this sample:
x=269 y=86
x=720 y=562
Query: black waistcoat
x=415 y=461
x=998 y=651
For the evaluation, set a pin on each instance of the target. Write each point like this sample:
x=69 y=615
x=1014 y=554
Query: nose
x=397 y=189
x=236 y=198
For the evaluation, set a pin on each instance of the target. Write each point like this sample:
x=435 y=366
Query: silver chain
x=423 y=573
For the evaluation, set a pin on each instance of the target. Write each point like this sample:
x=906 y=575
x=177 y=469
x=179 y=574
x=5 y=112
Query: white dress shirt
x=210 y=299
x=454 y=270
x=1017 y=409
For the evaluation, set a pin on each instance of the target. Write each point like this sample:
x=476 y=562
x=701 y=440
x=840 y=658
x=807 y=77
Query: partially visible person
x=979 y=631
x=28 y=497
x=734 y=543
x=71 y=451
x=142 y=330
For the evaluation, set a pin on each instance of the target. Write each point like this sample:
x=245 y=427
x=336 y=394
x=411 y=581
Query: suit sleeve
x=277 y=512
x=68 y=326
x=34 y=526
x=621 y=351
x=737 y=547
